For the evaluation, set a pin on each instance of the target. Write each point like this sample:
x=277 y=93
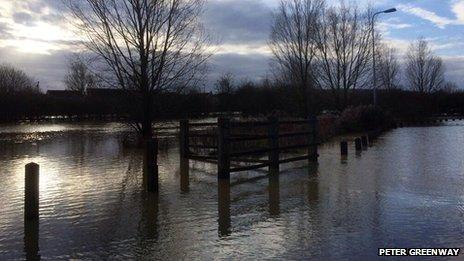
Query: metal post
x=391 y=10
x=374 y=79
x=224 y=148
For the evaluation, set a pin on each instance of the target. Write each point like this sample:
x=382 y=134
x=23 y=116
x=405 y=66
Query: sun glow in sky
x=32 y=32
x=35 y=37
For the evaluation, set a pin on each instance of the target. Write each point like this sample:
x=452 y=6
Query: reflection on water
x=405 y=191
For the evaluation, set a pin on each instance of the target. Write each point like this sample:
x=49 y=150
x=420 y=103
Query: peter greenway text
x=419 y=251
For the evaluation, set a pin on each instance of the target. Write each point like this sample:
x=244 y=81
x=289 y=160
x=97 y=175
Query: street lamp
x=391 y=10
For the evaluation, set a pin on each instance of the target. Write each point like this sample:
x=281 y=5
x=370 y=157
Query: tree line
x=157 y=51
x=321 y=47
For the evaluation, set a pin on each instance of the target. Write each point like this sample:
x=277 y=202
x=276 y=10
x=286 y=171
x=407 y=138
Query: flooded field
x=407 y=190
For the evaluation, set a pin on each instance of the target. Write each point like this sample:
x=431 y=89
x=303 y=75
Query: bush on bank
x=363 y=118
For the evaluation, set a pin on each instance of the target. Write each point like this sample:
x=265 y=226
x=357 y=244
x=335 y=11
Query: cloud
x=439 y=21
x=252 y=67
x=34 y=37
x=49 y=69
x=238 y=21
x=454 y=69
x=457 y=8
x=386 y=26
x=23 y=18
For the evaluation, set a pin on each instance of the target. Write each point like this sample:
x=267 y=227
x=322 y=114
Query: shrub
x=363 y=118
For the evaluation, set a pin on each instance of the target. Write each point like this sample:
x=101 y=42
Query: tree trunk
x=147 y=130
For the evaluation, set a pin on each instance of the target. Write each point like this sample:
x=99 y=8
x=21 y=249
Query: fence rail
x=226 y=138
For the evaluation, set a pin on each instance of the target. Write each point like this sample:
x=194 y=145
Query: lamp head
x=391 y=10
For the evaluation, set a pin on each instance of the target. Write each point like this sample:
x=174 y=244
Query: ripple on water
x=93 y=205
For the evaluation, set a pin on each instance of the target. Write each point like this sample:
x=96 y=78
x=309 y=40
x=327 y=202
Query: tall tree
x=79 y=77
x=344 y=51
x=388 y=68
x=293 y=45
x=14 y=81
x=225 y=88
x=149 y=46
x=424 y=71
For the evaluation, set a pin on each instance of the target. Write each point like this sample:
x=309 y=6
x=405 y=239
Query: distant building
x=90 y=92
x=64 y=93
x=99 y=92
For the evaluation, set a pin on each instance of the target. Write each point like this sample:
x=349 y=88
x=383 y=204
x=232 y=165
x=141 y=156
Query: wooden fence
x=230 y=144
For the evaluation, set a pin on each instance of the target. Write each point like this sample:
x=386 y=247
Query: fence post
x=151 y=164
x=312 y=140
x=224 y=148
x=274 y=195
x=371 y=138
x=273 y=140
x=184 y=154
x=344 y=148
x=184 y=139
x=224 y=220
x=358 y=145
x=364 y=141
x=31 y=192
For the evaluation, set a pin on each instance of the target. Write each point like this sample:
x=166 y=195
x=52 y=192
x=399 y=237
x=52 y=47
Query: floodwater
x=407 y=190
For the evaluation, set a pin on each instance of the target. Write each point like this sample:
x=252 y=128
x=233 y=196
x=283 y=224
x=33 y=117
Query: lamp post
x=374 y=80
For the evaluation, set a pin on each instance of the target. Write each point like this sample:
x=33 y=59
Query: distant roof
x=64 y=93
x=105 y=92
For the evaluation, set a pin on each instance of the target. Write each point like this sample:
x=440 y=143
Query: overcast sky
x=34 y=37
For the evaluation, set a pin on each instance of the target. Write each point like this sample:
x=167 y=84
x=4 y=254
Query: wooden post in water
x=312 y=140
x=31 y=192
x=224 y=228
x=183 y=139
x=223 y=149
x=184 y=155
x=151 y=164
x=358 y=145
x=364 y=141
x=184 y=175
x=274 y=195
x=31 y=239
x=370 y=138
x=273 y=140
x=344 y=148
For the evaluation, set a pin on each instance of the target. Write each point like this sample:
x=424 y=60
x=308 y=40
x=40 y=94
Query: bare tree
x=293 y=45
x=225 y=84
x=13 y=81
x=225 y=88
x=424 y=71
x=388 y=68
x=344 y=51
x=79 y=77
x=450 y=87
x=149 y=46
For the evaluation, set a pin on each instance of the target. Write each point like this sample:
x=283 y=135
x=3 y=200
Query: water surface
x=405 y=191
